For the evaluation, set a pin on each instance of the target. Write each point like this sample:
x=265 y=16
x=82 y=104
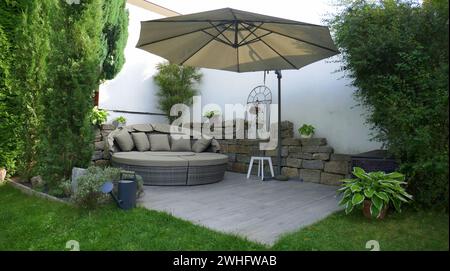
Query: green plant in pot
x=374 y=192
x=211 y=114
x=306 y=131
x=120 y=121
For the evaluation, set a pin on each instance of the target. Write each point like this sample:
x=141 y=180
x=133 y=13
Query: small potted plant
x=374 y=192
x=120 y=121
x=211 y=114
x=306 y=131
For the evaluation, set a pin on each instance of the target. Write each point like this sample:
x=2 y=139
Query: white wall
x=315 y=94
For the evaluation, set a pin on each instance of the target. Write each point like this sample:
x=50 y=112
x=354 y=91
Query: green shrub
x=115 y=31
x=396 y=53
x=62 y=190
x=9 y=123
x=176 y=86
x=121 y=120
x=98 y=116
x=378 y=187
x=88 y=194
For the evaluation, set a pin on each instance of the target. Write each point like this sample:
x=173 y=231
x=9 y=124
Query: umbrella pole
x=278 y=73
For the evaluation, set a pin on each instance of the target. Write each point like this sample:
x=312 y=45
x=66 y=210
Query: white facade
x=316 y=94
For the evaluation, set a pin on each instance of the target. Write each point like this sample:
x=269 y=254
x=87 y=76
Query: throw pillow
x=201 y=145
x=181 y=144
x=159 y=142
x=124 y=140
x=141 y=141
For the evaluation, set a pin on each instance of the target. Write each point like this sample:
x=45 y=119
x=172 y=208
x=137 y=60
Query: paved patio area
x=259 y=211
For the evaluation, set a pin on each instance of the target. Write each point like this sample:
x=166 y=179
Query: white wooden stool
x=260 y=166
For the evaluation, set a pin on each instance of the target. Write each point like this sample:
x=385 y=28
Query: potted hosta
x=374 y=192
x=120 y=121
x=306 y=131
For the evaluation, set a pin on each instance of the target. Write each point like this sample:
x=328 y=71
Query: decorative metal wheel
x=260 y=95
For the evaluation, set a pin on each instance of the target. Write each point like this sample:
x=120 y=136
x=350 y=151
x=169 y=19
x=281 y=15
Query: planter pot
x=118 y=125
x=2 y=174
x=305 y=136
x=366 y=210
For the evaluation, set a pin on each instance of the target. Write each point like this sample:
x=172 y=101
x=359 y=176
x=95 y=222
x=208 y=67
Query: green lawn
x=30 y=223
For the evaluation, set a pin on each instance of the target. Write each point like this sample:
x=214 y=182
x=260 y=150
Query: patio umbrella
x=238 y=41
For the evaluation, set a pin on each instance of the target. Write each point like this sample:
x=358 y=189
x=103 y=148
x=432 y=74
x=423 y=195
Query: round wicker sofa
x=168 y=167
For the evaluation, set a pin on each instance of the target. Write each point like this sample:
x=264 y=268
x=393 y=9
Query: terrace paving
x=258 y=210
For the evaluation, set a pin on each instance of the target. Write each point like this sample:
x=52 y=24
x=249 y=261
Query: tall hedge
x=396 y=53
x=14 y=112
x=31 y=55
x=59 y=55
x=115 y=31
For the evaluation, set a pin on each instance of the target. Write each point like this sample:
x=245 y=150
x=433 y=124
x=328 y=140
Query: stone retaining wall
x=310 y=160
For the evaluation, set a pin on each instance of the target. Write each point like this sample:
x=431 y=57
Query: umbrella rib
x=217 y=38
x=218 y=30
x=176 y=36
x=258 y=38
x=284 y=58
x=204 y=45
x=249 y=34
x=280 y=55
x=297 y=39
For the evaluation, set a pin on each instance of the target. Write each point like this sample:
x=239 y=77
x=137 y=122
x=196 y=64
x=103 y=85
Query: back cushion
x=159 y=142
x=201 y=145
x=141 y=141
x=124 y=140
x=180 y=144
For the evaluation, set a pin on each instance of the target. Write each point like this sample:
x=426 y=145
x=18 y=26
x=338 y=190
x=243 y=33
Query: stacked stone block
x=99 y=158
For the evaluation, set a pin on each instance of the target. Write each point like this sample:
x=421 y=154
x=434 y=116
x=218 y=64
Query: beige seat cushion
x=206 y=159
x=169 y=159
x=148 y=159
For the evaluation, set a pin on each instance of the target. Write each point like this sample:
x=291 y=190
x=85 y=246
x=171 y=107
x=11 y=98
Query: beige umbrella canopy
x=239 y=41
x=234 y=40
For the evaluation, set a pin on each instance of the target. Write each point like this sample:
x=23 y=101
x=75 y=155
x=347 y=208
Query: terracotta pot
x=2 y=174
x=366 y=210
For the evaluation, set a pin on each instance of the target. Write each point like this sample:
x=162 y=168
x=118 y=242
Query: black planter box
x=376 y=160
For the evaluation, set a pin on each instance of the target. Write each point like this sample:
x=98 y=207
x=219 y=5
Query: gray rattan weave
x=205 y=174
x=158 y=175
